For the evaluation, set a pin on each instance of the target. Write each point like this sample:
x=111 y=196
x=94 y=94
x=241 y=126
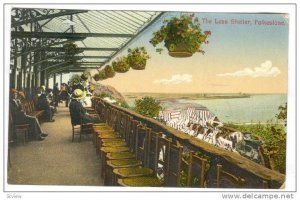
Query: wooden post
x=23 y=70
x=60 y=81
x=54 y=78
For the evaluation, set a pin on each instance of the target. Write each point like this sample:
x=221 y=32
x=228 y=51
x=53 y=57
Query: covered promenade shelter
x=149 y=152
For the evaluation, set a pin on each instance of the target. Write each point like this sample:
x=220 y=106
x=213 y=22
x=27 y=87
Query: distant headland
x=189 y=96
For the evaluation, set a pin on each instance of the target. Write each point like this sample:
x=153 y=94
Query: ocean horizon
x=254 y=108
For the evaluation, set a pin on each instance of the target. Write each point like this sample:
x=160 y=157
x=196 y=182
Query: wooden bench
x=29 y=107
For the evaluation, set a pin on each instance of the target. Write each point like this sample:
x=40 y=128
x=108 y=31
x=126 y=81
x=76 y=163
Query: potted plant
x=121 y=65
x=137 y=58
x=70 y=50
x=181 y=36
x=100 y=76
x=85 y=75
x=109 y=71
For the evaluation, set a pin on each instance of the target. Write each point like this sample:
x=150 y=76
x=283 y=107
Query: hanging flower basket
x=180 y=51
x=137 y=58
x=109 y=71
x=100 y=76
x=96 y=77
x=84 y=76
x=182 y=36
x=121 y=65
x=70 y=50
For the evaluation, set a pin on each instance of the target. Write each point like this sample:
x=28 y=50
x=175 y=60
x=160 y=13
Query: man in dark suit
x=43 y=104
x=19 y=117
x=56 y=94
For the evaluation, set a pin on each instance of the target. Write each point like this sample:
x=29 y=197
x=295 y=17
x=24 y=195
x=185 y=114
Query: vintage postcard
x=133 y=98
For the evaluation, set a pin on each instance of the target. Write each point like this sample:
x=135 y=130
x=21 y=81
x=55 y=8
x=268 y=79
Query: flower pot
x=121 y=66
x=138 y=64
x=96 y=77
x=84 y=77
x=109 y=71
x=181 y=51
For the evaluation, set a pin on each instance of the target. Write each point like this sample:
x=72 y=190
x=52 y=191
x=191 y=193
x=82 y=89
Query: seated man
x=77 y=111
x=44 y=104
x=20 y=117
x=55 y=94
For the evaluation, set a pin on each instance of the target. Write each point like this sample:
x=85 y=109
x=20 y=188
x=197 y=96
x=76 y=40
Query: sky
x=248 y=58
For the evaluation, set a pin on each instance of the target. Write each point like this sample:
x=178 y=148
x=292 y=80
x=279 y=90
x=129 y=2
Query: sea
x=257 y=108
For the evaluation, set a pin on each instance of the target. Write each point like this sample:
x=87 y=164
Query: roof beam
x=56 y=65
x=90 y=63
x=41 y=61
x=68 y=12
x=69 y=68
x=139 y=33
x=33 y=49
x=76 y=63
x=77 y=70
x=17 y=34
x=55 y=57
x=100 y=57
x=83 y=48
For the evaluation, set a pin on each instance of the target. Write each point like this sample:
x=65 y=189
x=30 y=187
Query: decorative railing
x=246 y=173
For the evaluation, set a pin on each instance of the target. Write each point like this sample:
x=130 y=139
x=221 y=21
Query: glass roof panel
x=99 y=30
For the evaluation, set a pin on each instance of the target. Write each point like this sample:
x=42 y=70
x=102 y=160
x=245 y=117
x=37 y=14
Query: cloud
x=176 y=79
x=265 y=70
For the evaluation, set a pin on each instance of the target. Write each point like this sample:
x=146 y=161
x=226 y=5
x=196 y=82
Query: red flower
x=207 y=33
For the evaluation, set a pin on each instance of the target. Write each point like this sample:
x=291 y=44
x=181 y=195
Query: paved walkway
x=56 y=160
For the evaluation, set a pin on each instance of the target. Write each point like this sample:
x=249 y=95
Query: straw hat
x=43 y=88
x=78 y=94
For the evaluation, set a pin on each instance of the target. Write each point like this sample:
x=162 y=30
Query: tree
x=282 y=115
x=147 y=106
x=274 y=137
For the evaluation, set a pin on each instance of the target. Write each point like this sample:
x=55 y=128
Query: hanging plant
x=70 y=50
x=181 y=36
x=109 y=71
x=75 y=79
x=137 y=58
x=100 y=76
x=96 y=77
x=85 y=75
x=121 y=65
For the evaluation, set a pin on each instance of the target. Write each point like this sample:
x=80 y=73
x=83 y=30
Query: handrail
x=239 y=162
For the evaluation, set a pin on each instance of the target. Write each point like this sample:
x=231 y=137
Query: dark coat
x=77 y=112
x=78 y=86
x=17 y=112
x=42 y=102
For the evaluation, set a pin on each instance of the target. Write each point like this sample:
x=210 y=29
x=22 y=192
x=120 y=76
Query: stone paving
x=56 y=160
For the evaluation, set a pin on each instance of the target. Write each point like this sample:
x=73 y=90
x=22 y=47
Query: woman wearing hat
x=77 y=111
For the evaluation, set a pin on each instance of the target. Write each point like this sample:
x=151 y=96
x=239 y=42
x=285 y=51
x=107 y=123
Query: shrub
x=147 y=106
x=274 y=136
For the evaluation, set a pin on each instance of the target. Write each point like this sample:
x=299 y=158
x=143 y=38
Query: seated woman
x=77 y=111
x=44 y=104
x=19 y=117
